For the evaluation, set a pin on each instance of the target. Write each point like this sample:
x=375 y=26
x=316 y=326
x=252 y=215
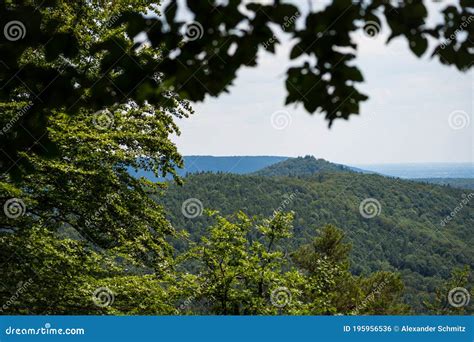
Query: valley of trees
x=407 y=236
x=83 y=101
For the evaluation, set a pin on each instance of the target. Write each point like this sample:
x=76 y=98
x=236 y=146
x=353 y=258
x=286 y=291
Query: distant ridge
x=438 y=173
x=228 y=164
x=461 y=183
x=303 y=166
x=423 y=170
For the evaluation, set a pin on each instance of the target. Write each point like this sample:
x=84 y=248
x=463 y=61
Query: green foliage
x=236 y=272
x=44 y=274
x=82 y=55
x=453 y=296
x=69 y=145
x=84 y=199
x=67 y=63
x=407 y=235
x=82 y=102
x=379 y=293
x=329 y=245
x=240 y=268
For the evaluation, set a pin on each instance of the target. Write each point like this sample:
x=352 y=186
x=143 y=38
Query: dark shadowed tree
x=54 y=58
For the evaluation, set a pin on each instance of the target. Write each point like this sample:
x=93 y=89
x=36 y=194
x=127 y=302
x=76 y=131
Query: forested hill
x=406 y=233
x=303 y=166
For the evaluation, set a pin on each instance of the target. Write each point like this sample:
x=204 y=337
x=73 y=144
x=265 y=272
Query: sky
x=406 y=119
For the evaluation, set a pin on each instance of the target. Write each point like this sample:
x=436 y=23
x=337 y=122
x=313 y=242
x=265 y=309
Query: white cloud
x=405 y=119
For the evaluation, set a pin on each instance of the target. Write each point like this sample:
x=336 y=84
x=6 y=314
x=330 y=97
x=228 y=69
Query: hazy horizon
x=408 y=118
x=470 y=162
x=246 y=164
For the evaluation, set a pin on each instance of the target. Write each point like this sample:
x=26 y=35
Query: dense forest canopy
x=408 y=232
x=82 y=102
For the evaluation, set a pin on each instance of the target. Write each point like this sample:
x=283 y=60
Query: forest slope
x=407 y=234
